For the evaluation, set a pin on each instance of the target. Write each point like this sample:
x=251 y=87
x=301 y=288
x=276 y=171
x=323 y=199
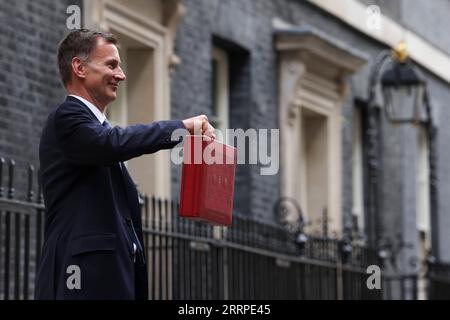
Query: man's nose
x=120 y=76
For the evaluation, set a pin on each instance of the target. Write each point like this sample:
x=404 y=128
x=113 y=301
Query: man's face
x=103 y=72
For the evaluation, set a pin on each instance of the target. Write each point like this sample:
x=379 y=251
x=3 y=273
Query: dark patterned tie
x=106 y=124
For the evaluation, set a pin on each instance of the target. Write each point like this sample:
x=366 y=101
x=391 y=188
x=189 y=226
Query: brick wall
x=29 y=79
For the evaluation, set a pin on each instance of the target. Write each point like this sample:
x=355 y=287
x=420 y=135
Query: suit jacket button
x=129 y=221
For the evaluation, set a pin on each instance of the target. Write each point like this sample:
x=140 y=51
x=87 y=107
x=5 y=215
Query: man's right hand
x=200 y=125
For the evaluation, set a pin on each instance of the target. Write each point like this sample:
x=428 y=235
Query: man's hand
x=199 y=125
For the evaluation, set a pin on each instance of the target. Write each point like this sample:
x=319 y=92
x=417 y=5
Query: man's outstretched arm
x=86 y=142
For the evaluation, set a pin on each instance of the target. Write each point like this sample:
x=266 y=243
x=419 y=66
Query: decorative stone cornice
x=314 y=46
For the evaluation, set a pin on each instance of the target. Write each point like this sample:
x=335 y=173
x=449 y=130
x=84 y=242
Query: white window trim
x=312 y=71
x=423 y=204
x=357 y=170
x=110 y=15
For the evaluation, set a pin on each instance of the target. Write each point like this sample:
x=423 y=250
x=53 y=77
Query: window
x=314 y=164
x=219 y=115
x=423 y=204
x=423 y=191
x=231 y=104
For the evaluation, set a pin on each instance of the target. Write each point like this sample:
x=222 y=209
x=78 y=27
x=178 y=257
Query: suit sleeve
x=87 y=142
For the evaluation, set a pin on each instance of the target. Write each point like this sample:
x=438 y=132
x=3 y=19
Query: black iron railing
x=21 y=235
x=439 y=280
x=192 y=260
x=250 y=260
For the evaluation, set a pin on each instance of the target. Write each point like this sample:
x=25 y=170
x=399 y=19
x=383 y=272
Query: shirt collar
x=98 y=114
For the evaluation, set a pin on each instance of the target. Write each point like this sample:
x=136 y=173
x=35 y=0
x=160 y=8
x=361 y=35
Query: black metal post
x=373 y=150
x=433 y=179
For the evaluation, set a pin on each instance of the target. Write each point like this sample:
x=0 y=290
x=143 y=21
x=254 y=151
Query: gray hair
x=78 y=43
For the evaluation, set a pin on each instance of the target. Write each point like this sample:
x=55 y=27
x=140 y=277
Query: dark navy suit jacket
x=92 y=204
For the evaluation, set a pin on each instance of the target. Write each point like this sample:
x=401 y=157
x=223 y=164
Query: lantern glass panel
x=405 y=103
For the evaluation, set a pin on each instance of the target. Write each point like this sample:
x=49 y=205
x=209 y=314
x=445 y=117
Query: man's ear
x=78 y=67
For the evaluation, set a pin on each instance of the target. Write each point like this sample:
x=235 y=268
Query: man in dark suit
x=93 y=245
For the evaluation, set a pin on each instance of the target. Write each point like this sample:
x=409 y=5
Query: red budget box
x=207 y=181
